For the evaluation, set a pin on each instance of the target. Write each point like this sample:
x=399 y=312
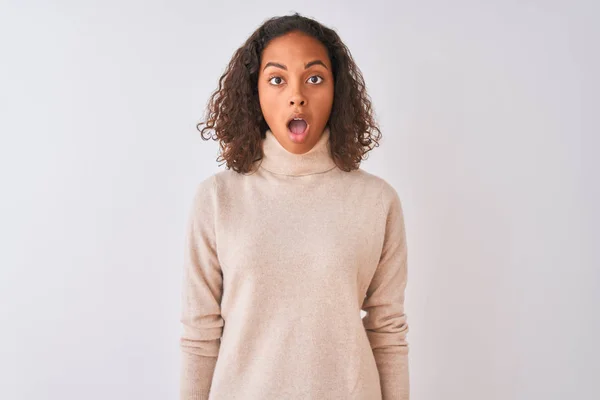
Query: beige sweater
x=278 y=264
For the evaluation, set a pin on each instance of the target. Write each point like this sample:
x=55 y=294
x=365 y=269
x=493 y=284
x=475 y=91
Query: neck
x=279 y=160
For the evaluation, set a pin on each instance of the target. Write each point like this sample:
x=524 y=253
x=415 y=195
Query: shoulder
x=378 y=183
x=206 y=191
x=365 y=179
x=217 y=186
x=211 y=183
x=385 y=194
x=388 y=195
x=205 y=188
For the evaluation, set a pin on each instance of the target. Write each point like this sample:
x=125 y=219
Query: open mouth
x=297 y=126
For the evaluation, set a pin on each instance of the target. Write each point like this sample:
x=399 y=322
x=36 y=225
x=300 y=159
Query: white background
x=489 y=112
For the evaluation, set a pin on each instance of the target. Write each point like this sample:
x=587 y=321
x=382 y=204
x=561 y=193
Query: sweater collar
x=279 y=160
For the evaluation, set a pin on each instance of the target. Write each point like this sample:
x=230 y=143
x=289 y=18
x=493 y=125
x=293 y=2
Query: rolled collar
x=279 y=160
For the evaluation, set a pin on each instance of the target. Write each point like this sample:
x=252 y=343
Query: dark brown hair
x=233 y=111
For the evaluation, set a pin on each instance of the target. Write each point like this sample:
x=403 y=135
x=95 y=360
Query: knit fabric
x=278 y=264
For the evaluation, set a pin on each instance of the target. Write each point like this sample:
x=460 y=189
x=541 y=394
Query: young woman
x=288 y=244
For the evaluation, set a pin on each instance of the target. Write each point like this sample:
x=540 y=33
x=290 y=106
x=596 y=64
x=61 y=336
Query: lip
x=299 y=138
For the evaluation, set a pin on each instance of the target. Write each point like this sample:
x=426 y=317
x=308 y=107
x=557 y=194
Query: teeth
x=296 y=119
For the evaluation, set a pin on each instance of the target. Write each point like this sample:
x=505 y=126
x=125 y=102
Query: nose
x=298 y=98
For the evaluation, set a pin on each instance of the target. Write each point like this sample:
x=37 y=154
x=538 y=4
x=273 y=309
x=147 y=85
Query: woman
x=288 y=244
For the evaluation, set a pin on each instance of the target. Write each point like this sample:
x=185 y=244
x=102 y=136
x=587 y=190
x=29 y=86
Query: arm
x=385 y=321
x=201 y=297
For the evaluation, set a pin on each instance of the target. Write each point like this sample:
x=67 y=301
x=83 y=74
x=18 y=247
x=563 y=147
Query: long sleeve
x=385 y=321
x=201 y=296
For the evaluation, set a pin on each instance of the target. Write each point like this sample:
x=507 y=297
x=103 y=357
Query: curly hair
x=233 y=110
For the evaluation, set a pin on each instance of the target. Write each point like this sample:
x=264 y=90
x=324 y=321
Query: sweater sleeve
x=385 y=321
x=201 y=296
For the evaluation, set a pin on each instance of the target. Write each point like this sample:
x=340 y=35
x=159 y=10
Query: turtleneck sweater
x=278 y=264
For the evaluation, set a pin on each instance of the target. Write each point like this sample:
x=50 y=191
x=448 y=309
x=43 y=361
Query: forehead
x=294 y=47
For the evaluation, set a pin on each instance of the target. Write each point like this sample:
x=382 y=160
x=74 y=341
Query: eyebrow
x=309 y=64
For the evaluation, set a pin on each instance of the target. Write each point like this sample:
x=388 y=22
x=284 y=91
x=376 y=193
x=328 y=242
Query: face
x=295 y=80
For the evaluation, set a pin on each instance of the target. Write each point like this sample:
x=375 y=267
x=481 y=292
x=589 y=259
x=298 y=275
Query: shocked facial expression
x=295 y=89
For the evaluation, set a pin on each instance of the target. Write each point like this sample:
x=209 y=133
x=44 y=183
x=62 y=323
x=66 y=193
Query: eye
x=280 y=80
x=274 y=77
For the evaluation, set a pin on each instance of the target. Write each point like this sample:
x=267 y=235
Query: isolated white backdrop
x=489 y=112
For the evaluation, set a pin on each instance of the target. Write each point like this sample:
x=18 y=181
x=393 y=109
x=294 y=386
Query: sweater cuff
x=196 y=376
x=393 y=374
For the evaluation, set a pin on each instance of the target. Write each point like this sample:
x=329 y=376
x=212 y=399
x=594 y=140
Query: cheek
x=324 y=99
x=266 y=99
